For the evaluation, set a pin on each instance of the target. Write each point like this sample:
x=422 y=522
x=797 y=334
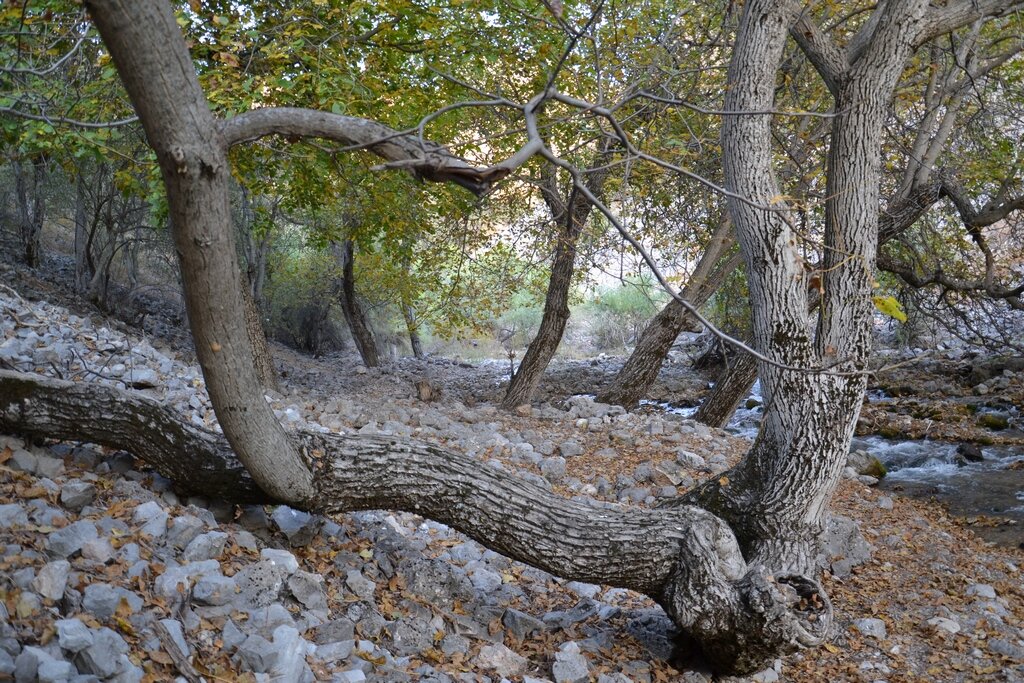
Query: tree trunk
x=357 y=325
x=31 y=208
x=192 y=154
x=570 y=215
x=83 y=237
x=732 y=386
x=685 y=559
x=262 y=360
x=775 y=498
x=413 y=328
x=641 y=369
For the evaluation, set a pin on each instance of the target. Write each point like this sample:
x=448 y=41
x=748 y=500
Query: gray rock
x=257 y=654
x=843 y=546
x=281 y=558
x=411 y=637
x=177 y=579
x=69 y=540
x=336 y=651
x=260 y=584
x=349 y=676
x=485 y=581
x=334 y=631
x=49 y=467
x=553 y=468
x=1007 y=649
x=214 y=589
x=570 y=666
x=308 y=589
x=298 y=527
x=570 y=448
x=502 y=660
x=183 y=529
x=232 y=636
x=359 y=584
x=73 y=635
x=101 y=600
x=584 y=609
x=690 y=460
x=23 y=461
x=943 y=624
x=103 y=657
x=147 y=511
x=520 y=624
x=52 y=579
x=208 y=546
x=143 y=378
x=292 y=649
x=871 y=627
x=12 y=515
x=982 y=590
x=177 y=634
x=55 y=671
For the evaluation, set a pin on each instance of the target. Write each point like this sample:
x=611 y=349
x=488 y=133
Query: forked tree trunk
x=570 y=216
x=28 y=185
x=354 y=316
x=775 y=498
x=641 y=369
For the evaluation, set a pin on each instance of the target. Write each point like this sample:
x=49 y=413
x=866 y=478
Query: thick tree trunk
x=686 y=559
x=570 y=215
x=262 y=360
x=641 y=369
x=776 y=497
x=31 y=208
x=357 y=325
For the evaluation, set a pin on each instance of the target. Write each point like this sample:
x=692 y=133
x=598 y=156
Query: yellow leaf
x=724 y=481
x=831 y=648
x=890 y=307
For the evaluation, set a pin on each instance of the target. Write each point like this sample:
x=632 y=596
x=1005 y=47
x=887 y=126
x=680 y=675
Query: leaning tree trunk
x=685 y=559
x=732 y=386
x=262 y=360
x=570 y=215
x=354 y=316
x=31 y=208
x=641 y=369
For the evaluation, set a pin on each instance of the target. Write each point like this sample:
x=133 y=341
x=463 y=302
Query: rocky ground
x=106 y=574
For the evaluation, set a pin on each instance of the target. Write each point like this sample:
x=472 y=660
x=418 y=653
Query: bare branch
x=953 y=15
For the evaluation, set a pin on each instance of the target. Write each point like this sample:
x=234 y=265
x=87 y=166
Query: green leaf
x=890 y=307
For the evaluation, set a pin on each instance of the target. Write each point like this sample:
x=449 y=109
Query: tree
x=732 y=563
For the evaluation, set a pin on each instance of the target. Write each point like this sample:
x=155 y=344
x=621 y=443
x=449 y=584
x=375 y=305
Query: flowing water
x=993 y=487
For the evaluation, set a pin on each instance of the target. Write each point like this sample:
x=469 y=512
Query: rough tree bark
x=570 y=215
x=344 y=253
x=641 y=369
x=262 y=360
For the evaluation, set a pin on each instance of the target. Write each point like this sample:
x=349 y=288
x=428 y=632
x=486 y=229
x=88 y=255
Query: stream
x=993 y=487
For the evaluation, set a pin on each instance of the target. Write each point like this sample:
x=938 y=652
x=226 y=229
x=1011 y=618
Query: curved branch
x=686 y=559
x=827 y=58
x=425 y=159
